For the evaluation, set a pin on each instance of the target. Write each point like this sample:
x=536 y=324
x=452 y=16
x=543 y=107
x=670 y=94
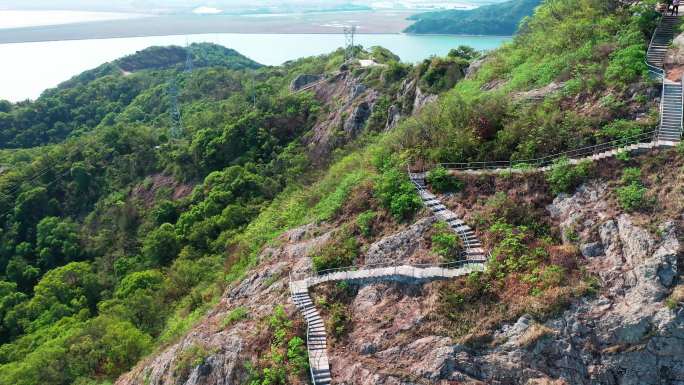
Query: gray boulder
x=400 y=246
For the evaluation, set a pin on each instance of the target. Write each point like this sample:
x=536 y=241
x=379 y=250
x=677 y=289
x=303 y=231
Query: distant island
x=496 y=19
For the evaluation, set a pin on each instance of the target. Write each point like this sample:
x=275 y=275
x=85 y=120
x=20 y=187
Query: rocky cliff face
x=351 y=105
x=625 y=334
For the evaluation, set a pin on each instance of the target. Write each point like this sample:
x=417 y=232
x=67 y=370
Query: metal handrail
x=681 y=106
x=391 y=264
x=656 y=137
x=461 y=234
x=355 y=268
x=548 y=160
x=314 y=356
x=651 y=68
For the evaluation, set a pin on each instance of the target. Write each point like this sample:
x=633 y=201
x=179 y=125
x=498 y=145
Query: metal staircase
x=671 y=112
x=474 y=260
x=660 y=41
x=670 y=128
x=316 y=344
x=473 y=247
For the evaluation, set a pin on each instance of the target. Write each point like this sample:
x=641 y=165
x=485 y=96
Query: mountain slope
x=571 y=294
x=498 y=19
x=114 y=240
x=133 y=258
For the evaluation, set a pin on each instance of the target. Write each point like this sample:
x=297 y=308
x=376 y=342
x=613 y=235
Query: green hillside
x=498 y=19
x=115 y=239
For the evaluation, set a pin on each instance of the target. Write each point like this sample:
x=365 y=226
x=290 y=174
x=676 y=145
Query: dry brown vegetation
x=533 y=334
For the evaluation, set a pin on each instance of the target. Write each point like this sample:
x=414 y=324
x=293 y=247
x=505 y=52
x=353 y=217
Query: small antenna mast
x=349 y=34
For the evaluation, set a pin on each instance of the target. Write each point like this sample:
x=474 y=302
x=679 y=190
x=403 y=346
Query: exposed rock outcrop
x=400 y=247
x=304 y=80
x=625 y=335
x=539 y=93
x=393 y=117
x=414 y=98
x=356 y=103
x=422 y=99
x=475 y=66
x=357 y=120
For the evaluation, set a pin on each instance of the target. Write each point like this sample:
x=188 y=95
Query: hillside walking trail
x=474 y=259
x=668 y=133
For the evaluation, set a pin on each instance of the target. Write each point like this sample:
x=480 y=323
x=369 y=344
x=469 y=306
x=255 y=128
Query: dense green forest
x=100 y=95
x=115 y=238
x=500 y=19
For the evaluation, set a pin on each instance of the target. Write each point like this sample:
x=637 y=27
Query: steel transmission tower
x=188 y=59
x=349 y=34
x=176 y=131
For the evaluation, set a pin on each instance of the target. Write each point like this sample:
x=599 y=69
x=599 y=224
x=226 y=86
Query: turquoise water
x=27 y=69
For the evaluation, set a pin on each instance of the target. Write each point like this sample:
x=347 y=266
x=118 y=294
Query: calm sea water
x=27 y=69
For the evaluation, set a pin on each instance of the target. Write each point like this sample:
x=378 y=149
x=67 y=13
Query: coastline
x=374 y=23
x=271 y=33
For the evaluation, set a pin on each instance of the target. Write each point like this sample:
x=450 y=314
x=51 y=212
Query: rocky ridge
x=623 y=335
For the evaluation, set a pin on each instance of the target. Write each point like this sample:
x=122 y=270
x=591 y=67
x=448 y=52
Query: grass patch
x=676 y=299
x=297 y=206
x=235 y=315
